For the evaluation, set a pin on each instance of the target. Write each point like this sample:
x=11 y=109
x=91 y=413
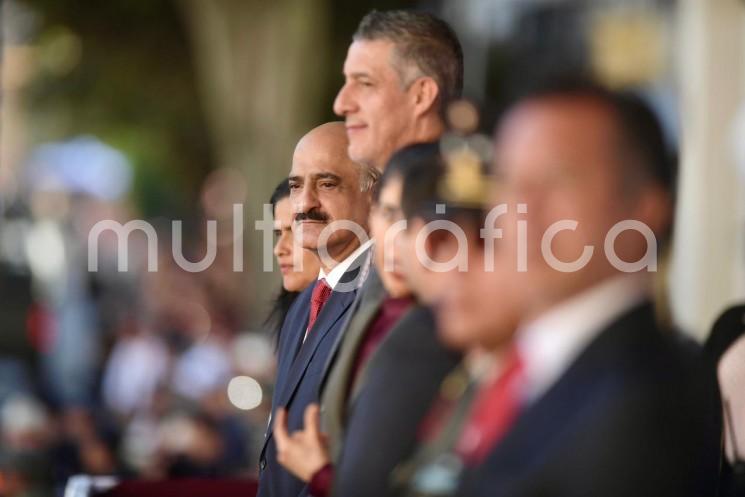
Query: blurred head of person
x=327 y=187
x=473 y=298
x=295 y=277
x=423 y=247
x=575 y=152
x=402 y=68
x=386 y=215
x=479 y=308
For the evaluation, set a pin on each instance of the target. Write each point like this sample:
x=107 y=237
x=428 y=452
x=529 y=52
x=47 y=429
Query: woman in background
x=294 y=279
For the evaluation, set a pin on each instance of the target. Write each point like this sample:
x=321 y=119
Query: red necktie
x=494 y=410
x=321 y=293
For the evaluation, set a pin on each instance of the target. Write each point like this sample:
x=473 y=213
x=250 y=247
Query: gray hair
x=369 y=177
x=423 y=42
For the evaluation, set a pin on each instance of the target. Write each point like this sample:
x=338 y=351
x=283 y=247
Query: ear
x=425 y=93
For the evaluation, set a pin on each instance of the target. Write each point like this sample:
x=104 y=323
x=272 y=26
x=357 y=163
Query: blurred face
x=557 y=155
x=384 y=214
x=479 y=309
x=325 y=188
x=439 y=247
x=378 y=110
x=295 y=278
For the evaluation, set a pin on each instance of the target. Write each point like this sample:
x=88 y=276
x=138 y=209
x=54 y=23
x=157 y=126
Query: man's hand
x=304 y=452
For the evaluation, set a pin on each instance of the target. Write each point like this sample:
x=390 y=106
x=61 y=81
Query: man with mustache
x=327 y=190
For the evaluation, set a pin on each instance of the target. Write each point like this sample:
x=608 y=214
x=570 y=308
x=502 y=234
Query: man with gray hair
x=402 y=70
x=326 y=187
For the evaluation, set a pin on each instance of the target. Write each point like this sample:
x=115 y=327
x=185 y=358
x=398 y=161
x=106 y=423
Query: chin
x=295 y=286
x=358 y=153
x=309 y=238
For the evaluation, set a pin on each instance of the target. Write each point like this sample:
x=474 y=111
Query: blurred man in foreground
x=325 y=187
x=604 y=401
x=477 y=312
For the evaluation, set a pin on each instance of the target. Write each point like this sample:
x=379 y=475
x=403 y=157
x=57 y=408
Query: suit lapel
x=406 y=328
x=367 y=303
x=354 y=337
x=292 y=373
x=361 y=264
x=291 y=339
x=544 y=421
x=331 y=313
x=334 y=394
x=296 y=355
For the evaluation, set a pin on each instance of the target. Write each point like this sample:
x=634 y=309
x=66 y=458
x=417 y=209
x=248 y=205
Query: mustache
x=311 y=215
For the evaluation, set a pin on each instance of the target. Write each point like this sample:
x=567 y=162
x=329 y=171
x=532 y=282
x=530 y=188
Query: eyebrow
x=360 y=75
x=315 y=177
x=332 y=176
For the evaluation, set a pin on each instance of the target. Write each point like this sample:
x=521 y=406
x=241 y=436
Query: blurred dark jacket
x=629 y=417
x=400 y=383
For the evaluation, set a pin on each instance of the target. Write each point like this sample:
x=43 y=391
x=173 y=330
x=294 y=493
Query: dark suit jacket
x=299 y=371
x=628 y=418
x=336 y=385
x=400 y=382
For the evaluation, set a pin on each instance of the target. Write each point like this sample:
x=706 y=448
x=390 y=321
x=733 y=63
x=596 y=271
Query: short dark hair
x=423 y=169
x=642 y=143
x=403 y=161
x=423 y=40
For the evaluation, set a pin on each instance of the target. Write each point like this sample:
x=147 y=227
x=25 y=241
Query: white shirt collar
x=332 y=279
x=551 y=342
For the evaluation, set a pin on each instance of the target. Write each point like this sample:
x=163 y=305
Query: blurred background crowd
x=179 y=109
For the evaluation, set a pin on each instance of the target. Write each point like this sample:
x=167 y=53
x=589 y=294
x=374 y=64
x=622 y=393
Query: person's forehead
x=579 y=118
x=371 y=57
x=559 y=131
x=317 y=161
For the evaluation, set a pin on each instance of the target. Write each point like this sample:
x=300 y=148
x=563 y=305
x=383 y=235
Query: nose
x=343 y=103
x=283 y=246
x=305 y=199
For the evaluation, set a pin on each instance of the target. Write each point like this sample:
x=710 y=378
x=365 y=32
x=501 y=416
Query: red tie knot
x=321 y=293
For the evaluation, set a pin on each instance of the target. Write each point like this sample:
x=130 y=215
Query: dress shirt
x=338 y=271
x=550 y=343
